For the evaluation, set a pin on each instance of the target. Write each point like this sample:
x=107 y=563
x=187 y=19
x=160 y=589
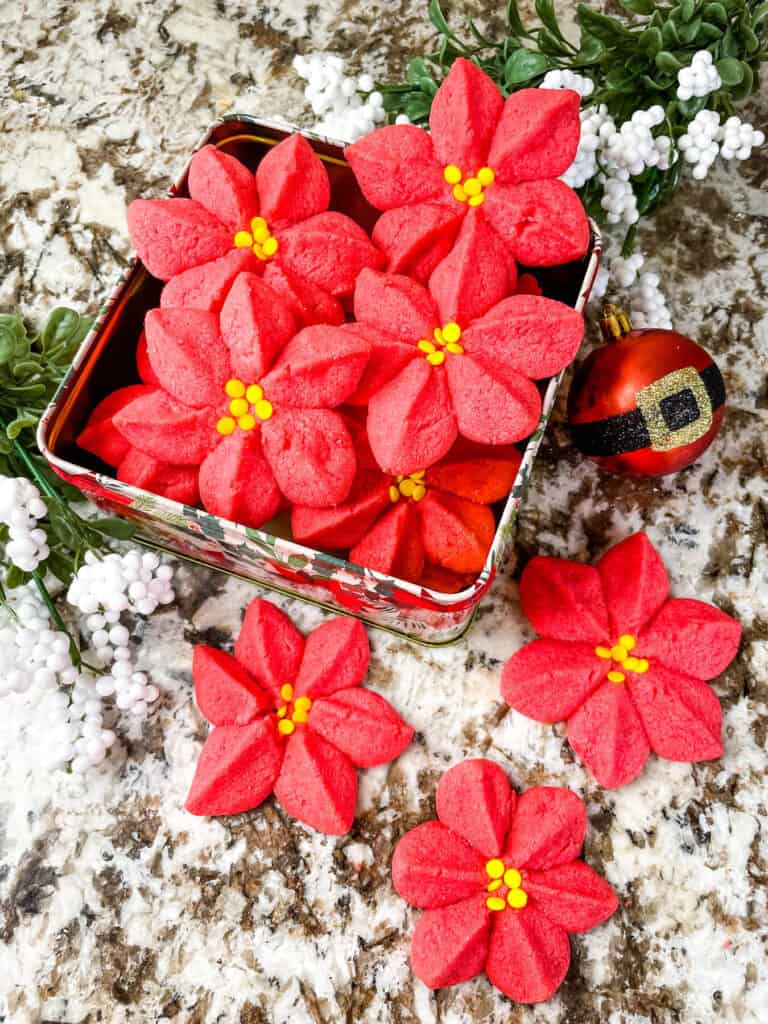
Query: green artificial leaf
x=608 y=30
x=638 y=6
x=20 y=423
x=620 y=80
x=685 y=10
x=730 y=44
x=590 y=50
x=731 y=71
x=61 y=566
x=546 y=12
x=669 y=33
x=751 y=42
x=417 y=106
x=650 y=41
x=550 y=44
x=747 y=84
x=417 y=69
x=665 y=61
x=708 y=33
x=717 y=13
x=60 y=519
x=16 y=577
x=759 y=15
x=524 y=65
x=690 y=108
x=660 y=86
x=121 y=529
x=64 y=327
x=514 y=20
x=690 y=30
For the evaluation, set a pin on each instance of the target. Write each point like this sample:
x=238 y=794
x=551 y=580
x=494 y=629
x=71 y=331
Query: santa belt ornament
x=672 y=411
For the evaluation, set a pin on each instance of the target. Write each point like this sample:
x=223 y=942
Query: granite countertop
x=115 y=904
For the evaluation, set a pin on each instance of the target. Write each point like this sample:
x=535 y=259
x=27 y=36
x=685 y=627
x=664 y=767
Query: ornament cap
x=614 y=323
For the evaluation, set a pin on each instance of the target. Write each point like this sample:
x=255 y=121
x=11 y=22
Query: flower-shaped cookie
x=453 y=359
x=620 y=661
x=256 y=426
x=276 y=221
x=404 y=525
x=485 y=159
x=500 y=882
x=290 y=717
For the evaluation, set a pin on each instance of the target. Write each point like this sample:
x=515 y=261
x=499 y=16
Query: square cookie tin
x=268 y=556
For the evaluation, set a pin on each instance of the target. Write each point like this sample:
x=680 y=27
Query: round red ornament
x=647 y=403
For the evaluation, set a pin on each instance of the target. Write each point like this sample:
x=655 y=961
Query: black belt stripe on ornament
x=628 y=432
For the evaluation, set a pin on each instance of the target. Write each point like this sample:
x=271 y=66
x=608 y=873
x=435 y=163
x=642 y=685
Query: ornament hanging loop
x=614 y=323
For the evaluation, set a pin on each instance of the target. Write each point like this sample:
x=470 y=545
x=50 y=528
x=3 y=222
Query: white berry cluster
x=565 y=79
x=700 y=78
x=585 y=164
x=648 y=306
x=625 y=271
x=699 y=144
x=738 y=138
x=633 y=148
x=20 y=509
x=35 y=660
x=334 y=97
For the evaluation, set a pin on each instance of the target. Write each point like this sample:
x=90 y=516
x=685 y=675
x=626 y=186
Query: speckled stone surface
x=115 y=904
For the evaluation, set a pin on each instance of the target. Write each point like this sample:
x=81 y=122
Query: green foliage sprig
x=633 y=62
x=32 y=365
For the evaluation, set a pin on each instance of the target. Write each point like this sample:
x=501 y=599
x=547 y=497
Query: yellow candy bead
x=418 y=476
x=243 y=239
x=285 y=726
x=418 y=492
x=226 y=426
x=473 y=186
x=238 y=406
x=438 y=336
x=460 y=194
x=286 y=691
x=282 y=712
x=628 y=641
x=455 y=349
x=258 y=251
x=299 y=717
x=641 y=665
x=235 y=388
x=619 y=653
x=452 y=174
x=261 y=234
x=494 y=885
x=254 y=394
x=302 y=703
x=270 y=247
x=246 y=422
x=603 y=652
x=394 y=493
x=494 y=868
x=517 y=899
x=512 y=878
x=452 y=332
x=616 y=677
x=495 y=903
x=476 y=200
x=425 y=346
x=486 y=176
x=263 y=409
x=257 y=224
x=436 y=358
x=407 y=488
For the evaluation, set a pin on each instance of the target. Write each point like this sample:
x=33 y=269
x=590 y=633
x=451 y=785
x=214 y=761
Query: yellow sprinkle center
x=469 y=189
x=444 y=339
x=411 y=486
x=619 y=653
x=292 y=712
x=259 y=239
x=500 y=874
x=246 y=406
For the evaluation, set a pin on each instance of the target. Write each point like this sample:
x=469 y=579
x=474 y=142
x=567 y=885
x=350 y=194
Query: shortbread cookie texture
x=486 y=158
x=236 y=221
x=290 y=717
x=500 y=884
x=623 y=663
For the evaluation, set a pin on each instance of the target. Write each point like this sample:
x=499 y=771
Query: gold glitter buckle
x=663 y=437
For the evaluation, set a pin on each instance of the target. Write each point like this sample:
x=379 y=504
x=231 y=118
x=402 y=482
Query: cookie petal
x=464 y=115
x=187 y=355
x=396 y=166
x=433 y=866
x=225 y=693
x=450 y=944
x=293 y=183
x=311 y=455
x=475 y=800
x=236 y=481
x=336 y=657
x=236 y=770
x=607 y=733
x=547 y=680
x=317 y=784
x=174 y=235
x=564 y=600
x=548 y=828
x=269 y=646
x=224 y=186
x=537 y=135
x=528 y=955
x=543 y=223
x=361 y=725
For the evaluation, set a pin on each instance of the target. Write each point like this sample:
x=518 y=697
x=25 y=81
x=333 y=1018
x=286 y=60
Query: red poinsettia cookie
x=485 y=160
x=622 y=662
x=276 y=221
x=290 y=717
x=500 y=883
